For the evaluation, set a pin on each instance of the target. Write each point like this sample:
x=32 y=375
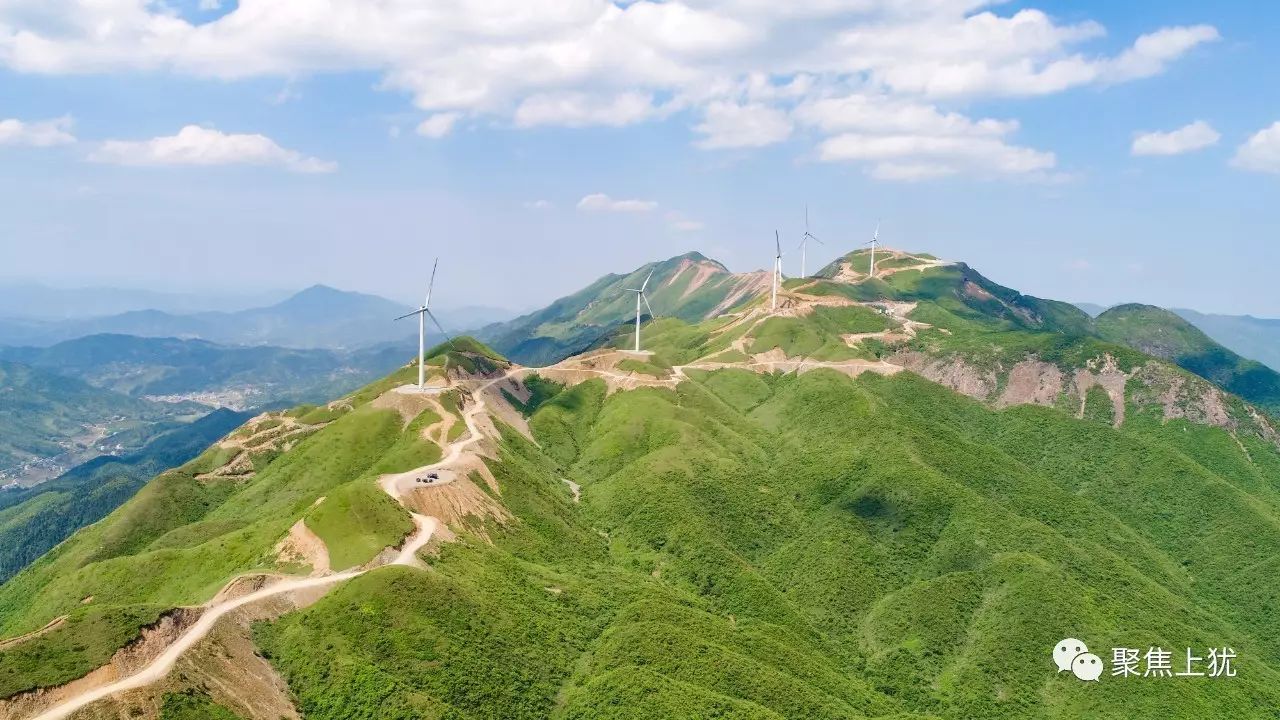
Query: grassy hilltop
x=887 y=499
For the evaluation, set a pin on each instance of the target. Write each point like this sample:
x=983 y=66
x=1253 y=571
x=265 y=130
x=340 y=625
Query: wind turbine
x=804 y=242
x=641 y=296
x=423 y=313
x=875 y=239
x=777 y=269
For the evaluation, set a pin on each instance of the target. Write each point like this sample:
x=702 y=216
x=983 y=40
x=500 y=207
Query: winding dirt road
x=393 y=485
x=157 y=669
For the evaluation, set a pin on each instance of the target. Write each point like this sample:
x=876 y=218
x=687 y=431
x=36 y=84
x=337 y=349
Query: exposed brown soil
x=127 y=660
x=951 y=372
x=303 y=546
x=1032 y=382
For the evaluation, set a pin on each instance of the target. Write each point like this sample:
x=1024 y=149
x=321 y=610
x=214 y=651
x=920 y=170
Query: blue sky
x=1002 y=134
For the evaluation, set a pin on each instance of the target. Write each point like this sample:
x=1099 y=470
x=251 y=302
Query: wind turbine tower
x=423 y=313
x=804 y=243
x=875 y=240
x=640 y=295
x=777 y=269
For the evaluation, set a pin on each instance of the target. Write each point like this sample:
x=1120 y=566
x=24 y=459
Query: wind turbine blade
x=777 y=239
x=645 y=284
x=436 y=322
x=646 y=304
x=806 y=218
x=415 y=312
x=432 y=284
x=814 y=238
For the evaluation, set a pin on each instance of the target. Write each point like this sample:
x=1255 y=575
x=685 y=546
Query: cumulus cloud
x=600 y=202
x=729 y=125
x=438 y=125
x=1195 y=136
x=578 y=109
x=1261 y=152
x=908 y=140
x=39 y=133
x=740 y=67
x=195 y=145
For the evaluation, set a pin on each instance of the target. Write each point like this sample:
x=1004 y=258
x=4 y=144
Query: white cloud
x=599 y=202
x=210 y=5
x=537 y=205
x=195 y=145
x=438 y=125
x=909 y=140
x=1152 y=53
x=741 y=66
x=40 y=133
x=580 y=110
x=1195 y=136
x=1261 y=152
x=678 y=221
x=915 y=157
x=729 y=125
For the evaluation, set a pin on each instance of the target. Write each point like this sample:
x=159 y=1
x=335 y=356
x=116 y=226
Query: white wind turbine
x=423 y=313
x=640 y=295
x=875 y=240
x=777 y=270
x=804 y=242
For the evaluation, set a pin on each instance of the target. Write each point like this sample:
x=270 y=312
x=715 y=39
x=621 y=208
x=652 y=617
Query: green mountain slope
x=1164 y=334
x=777 y=546
x=34 y=520
x=887 y=498
x=690 y=286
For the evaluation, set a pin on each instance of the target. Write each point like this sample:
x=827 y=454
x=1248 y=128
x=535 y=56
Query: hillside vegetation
x=690 y=287
x=816 y=546
x=888 y=497
x=34 y=520
x=1162 y=333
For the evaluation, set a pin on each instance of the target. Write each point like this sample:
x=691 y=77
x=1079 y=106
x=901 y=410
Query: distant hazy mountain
x=1257 y=338
x=34 y=301
x=1093 y=309
x=318 y=317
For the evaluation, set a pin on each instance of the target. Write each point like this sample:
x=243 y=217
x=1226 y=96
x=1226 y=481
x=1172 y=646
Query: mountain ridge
x=867 y=502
